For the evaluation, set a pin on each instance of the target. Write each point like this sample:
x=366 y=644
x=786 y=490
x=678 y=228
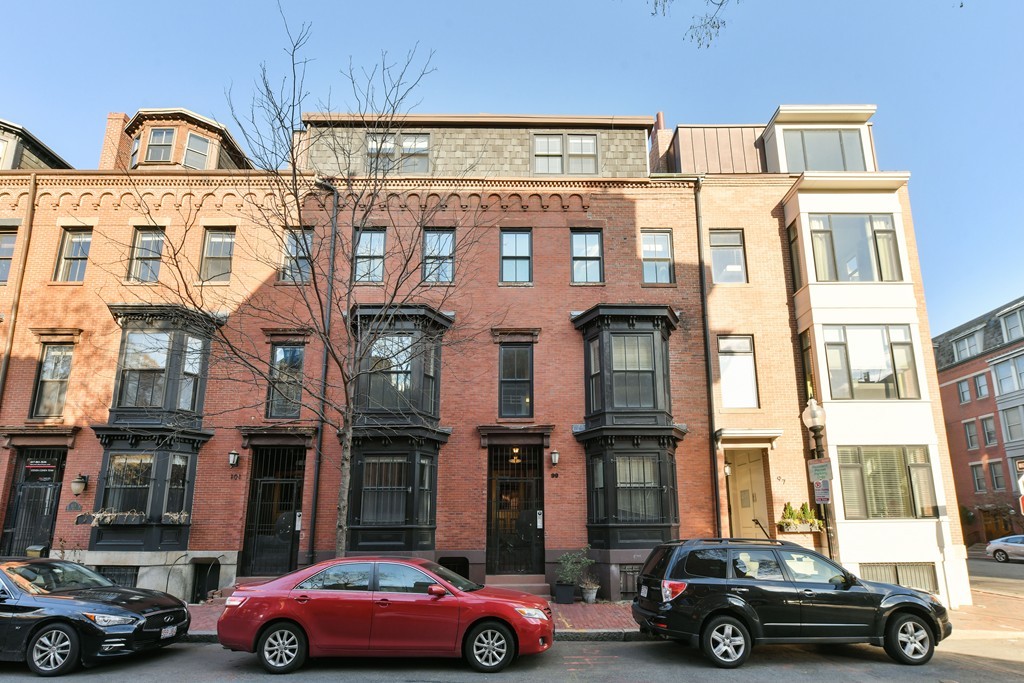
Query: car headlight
x=109 y=619
x=531 y=612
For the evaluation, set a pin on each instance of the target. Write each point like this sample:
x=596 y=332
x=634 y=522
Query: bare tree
x=704 y=28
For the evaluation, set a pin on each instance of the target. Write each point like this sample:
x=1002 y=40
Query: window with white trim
x=1013 y=325
x=298 y=256
x=995 y=471
x=967 y=346
x=74 y=255
x=738 y=371
x=1009 y=375
x=8 y=238
x=978 y=476
x=438 y=255
x=728 y=262
x=1013 y=423
x=971 y=434
x=816 y=149
x=197 y=152
x=981 y=386
x=964 y=390
x=161 y=141
x=52 y=385
x=855 y=248
x=147 y=251
x=871 y=362
x=988 y=428
x=887 y=482
x=370 y=256
x=656 y=251
x=554 y=153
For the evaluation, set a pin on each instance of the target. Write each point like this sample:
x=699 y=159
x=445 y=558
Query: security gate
x=32 y=507
x=275 y=495
x=515 y=522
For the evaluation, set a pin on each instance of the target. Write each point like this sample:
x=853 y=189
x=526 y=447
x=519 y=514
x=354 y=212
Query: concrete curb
x=578 y=635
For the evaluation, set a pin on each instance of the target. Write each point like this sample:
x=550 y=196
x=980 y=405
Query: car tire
x=726 y=642
x=53 y=650
x=282 y=648
x=489 y=647
x=908 y=639
x=1000 y=556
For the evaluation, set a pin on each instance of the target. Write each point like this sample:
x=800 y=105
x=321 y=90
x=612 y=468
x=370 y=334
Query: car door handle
x=808 y=592
x=740 y=590
x=383 y=603
x=302 y=599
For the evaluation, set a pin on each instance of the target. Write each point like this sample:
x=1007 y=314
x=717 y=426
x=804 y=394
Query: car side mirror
x=436 y=591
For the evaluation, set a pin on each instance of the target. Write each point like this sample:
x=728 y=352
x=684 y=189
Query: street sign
x=822 y=492
x=820 y=469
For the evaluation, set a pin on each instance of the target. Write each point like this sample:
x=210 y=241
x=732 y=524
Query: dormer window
x=824 y=150
x=1013 y=325
x=967 y=346
x=197 y=152
x=161 y=141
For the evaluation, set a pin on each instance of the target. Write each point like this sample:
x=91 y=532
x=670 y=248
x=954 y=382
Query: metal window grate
x=629 y=574
x=127 y=577
x=919 y=575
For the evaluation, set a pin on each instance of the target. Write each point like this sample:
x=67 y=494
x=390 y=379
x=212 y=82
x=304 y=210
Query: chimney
x=117 y=147
x=661 y=142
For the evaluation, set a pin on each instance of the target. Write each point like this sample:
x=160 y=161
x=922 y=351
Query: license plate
x=168 y=632
x=643 y=591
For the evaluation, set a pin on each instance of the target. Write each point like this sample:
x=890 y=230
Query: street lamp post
x=813 y=418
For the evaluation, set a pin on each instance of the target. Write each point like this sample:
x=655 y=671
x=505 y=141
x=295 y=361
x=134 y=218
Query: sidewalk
x=991 y=615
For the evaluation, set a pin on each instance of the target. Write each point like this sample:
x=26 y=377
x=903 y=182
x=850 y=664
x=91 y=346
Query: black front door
x=32 y=509
x=515 y=522
x=275 y=495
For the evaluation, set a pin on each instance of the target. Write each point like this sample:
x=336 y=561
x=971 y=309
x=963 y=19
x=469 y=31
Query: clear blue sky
x=946 y=79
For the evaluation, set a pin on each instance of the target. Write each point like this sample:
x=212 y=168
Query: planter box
x=564 y=593
x=798 y=528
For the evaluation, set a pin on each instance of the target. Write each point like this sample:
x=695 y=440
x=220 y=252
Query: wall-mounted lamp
x=727 y=469
x=79 y=484
x=233 y=458
x=554 y=458
x=515 y=459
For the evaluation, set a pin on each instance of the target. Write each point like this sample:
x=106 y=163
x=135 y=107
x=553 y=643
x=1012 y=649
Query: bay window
x=887 y=482
x=855 y=248
x=871 y=362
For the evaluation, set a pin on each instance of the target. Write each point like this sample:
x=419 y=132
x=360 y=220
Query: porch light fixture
x=515 y=459
x=727 y=469
x=79 y=484
x=554 y=458
x=233 y=458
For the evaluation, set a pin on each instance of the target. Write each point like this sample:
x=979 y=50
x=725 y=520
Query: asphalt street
x=997 y=577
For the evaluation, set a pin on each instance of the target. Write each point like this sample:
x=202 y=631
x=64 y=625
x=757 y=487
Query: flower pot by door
x=564 y=593
x=589 y=595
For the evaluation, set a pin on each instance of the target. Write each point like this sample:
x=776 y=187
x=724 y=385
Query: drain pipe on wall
x=26 y=240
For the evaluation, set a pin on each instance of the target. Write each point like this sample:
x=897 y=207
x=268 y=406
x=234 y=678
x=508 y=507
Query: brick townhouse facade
x=621 y=356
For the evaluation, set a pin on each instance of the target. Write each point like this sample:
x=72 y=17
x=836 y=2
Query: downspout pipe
x=712 y=426
x=321 y=419
x=19 y=280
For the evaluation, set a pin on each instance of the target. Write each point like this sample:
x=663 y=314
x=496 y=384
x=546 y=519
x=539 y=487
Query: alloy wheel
x=913 y=639
x=51 y=650
x=490 y=647
x=281 y=648
x=727 y=642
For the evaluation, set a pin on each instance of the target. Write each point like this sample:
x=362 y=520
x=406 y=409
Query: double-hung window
x=438 y=255
x=978 y=477
x=656 y=251
x=995 y=470
x=285 y=396
x=133 y=161
x=191 y=369
x=988 y=427
x=197 y=152
x=52 y=387
x=144 y=370
x=7 y=241
x=391 y=359
x=74 y=256
x=515 y=373
x=1013 y=423
x=967 y=346
x=871 y=362
x=963 y=390
x=633 y=379
x=1013 y=325
x=981 y=386
x=161 y=141
x=855 y=248
x=587 y=256
x=516 y=256
x=556 y=153
x=738 y=372
x=415 y=153
x=823 y=150
x=971 y=434
x=887 y=482
x=298 y=255
x=728 y=263
x=217 y=253
x=384 y=490
x=638 y=484
x=128 y=482
x=1009 y=375
x=370 y=256
x=146 y=253
x=406 y=153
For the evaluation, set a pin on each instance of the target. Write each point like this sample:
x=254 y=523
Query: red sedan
x=383 y=606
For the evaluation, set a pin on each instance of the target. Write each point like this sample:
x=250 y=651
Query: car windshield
x=40 y=578
x=457 y=580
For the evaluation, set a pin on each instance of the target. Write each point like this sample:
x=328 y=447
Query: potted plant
x=572 y=566
x=802 y=520
x=589 y=586
x=176 y=517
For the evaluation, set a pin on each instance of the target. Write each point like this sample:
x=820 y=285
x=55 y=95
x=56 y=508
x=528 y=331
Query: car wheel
x=1000 y=556
x=53 y=650
x=726 y=642
x=908 y=639
x=282 y=648
x=489 y=647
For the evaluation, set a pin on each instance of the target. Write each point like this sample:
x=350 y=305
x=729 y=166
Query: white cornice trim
x=848 y=182
x=823 y=113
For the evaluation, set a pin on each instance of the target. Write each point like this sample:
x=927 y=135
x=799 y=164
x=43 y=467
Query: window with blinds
x=887 y=482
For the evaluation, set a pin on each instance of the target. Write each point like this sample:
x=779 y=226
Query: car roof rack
x=736 y=541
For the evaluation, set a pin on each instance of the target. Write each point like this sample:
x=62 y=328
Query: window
x=380 y=153
x=177 y=482
x=415 y=153
x=398 y=578
x=871 y=362
x=370 y=256
x=1013 y=423
x=638 y=481
x=74 y=255
x=161 y=141
x=971 y=434
x=887 y=482
x=7 y=241
x=738 y=372
x=633 y=371
x=407 y=153
x=516 y=256
x=191 y=366
x=285 y=392
x=429 y=376
x=756 y=564
x=988 y=426
x=438 y=255
x=52 y=387
x=425 y=508
x=144 y=369
x=981 y=386
x=854 y=248
x=383 y=492
x=134 y=159
x=594 y=370
x=978 y=475
x=727 y=260
x=197 y=152
x=1010 y=375
x=553 y=153
x=587 y=256
x=795 y=262
x=127 y=484
x=598 y=503
x=995 y=470
x=710 y=563
x=1013 y=325
x=220 y=246
x=812 y=569
x=391 y=373
x=515 y=374
x=967 y=346
x=657 y=257
x=805 y=354
x=298 y=255
x=963 y=388
x=353 y=576
x=146 y=253
x=823 y=150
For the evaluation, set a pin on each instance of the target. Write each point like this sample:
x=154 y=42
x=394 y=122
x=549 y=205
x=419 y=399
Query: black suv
x=728 y=594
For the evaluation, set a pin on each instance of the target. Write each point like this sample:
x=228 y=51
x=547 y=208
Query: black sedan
x=55 y=614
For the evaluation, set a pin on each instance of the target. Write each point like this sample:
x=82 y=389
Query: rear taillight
x=233 y=601
x=670 y=590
